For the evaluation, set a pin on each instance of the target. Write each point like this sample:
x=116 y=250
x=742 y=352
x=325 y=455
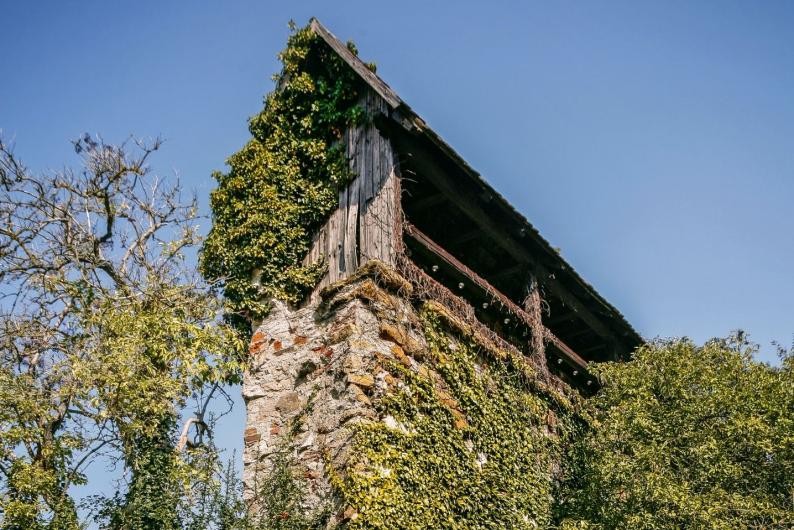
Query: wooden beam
x=565 y=352
x=450 y=260
x=470 y=206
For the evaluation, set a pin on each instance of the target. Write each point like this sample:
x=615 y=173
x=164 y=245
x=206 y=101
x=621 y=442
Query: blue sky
x=652 y=142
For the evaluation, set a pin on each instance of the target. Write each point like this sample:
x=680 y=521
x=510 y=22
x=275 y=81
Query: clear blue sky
x=652 y=142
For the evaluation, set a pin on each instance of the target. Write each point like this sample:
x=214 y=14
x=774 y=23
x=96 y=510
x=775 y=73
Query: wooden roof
x=555 y=273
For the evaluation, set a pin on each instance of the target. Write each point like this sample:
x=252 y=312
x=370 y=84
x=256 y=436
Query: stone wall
x=315 y=370
x=322 y=373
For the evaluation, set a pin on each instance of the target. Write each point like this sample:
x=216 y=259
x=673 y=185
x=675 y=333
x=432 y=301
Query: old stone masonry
x=316 y=370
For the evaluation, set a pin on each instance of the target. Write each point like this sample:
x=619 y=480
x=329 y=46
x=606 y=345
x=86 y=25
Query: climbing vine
x=465 y=444
x=284 y=182
x=280 y=498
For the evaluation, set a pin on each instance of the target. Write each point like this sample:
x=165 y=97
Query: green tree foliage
x=105 y=333
x=686 y=436
x=284 y=182
x=214 y=496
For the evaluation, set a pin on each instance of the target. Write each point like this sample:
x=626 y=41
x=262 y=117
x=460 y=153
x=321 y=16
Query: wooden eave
x=519 y=236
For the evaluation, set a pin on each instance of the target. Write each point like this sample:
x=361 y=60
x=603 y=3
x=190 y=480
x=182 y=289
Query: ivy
x=281 y=493
x=281 y=499
x=466 y=445
x=284 y=182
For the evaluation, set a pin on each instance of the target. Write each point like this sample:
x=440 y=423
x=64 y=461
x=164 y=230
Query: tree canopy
x=106 y=331
x=687 y=436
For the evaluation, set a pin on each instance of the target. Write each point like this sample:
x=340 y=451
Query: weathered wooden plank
x=370 y=185
x=375 y=218
x=379 y=215
x=361 y=172
x=362 y=227
x=328 y=249
x=340 y=216
x=320 y=255
x=382 y=222
x=386 y=199
x=350 y=246
x=365 y=235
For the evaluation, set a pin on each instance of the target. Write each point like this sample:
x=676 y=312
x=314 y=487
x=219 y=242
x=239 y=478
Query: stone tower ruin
x=424 y=260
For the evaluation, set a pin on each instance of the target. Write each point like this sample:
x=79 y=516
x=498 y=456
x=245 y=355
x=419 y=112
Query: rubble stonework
x=314 y=372
x=472 y=419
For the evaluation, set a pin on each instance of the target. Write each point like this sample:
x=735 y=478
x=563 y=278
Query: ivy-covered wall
x=464 y=439
x=407 y=419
